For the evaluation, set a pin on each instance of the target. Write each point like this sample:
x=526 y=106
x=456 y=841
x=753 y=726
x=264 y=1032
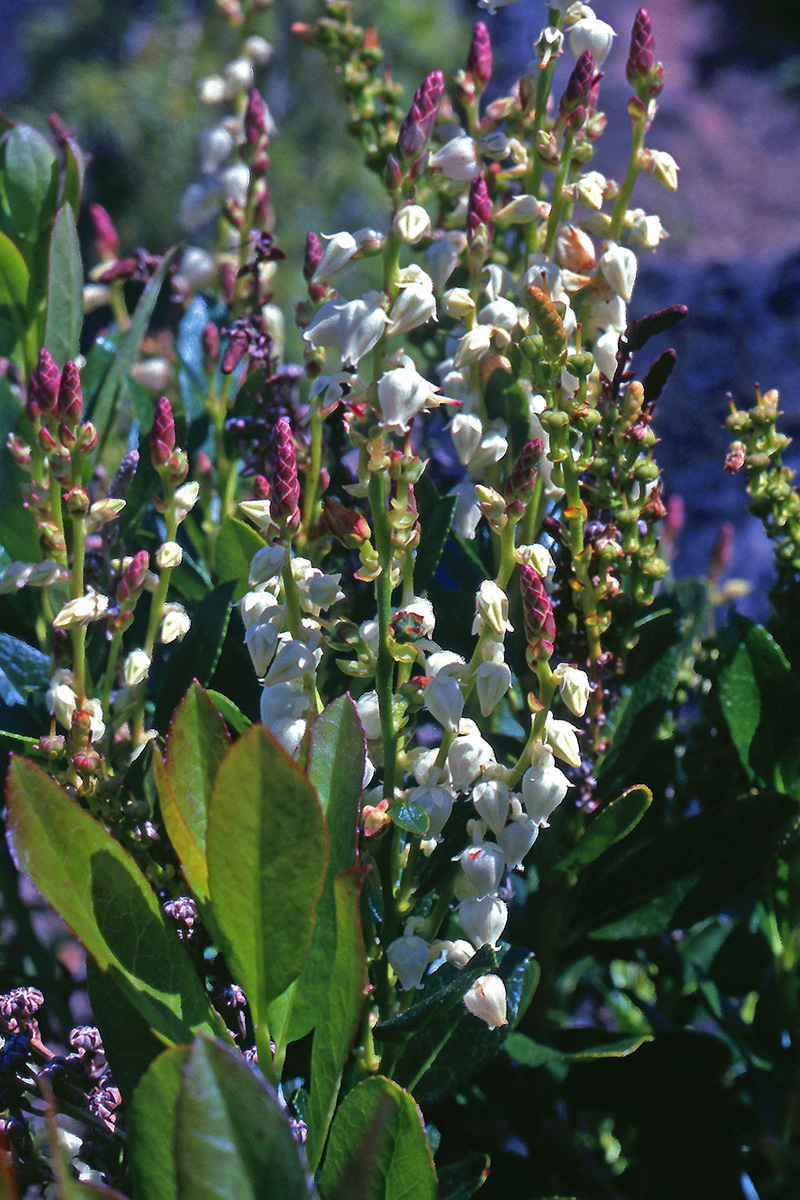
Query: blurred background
x=124 y=77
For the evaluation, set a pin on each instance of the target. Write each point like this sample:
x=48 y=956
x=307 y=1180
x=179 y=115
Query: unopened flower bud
x=162 y=434
x=416 y=129
x=43 y=386
x=136 y=668
x=176 y=623
x=254 y=118
x=285 y=496
x=106 y=238
x=479 y=62
x=522 y=480
x=579 y=86
x=133 y=578
x=348 y=526
x=69 y=405
x=479 y=211
x=540 y=625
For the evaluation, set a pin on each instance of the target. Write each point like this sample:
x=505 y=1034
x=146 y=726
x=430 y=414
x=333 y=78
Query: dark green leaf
x=14 y=281
x=151 y=1134
x=234 y=549
x=760 y=699
x=336 y=1029
x=232 y=1138
x=30 y=181
x=196 y=656
x=528 y=1053
x=24 y=671
x=378 y=1149
x=74 y=170
x=440 y=999
x=436 y=520
x=507 y=400
x=128 y=1043
x=459 y=1181
x=266 y=849
x=62 y=329
x=409 y=817
x=196 y=745
x=101 y=894
x=17 y=524
x=611 y=825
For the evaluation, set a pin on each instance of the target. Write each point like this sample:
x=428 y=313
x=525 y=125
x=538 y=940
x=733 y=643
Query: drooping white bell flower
x=487 y=1000
x=483 y=920
x=408 y=957
x=543 y=789
x=483 y=865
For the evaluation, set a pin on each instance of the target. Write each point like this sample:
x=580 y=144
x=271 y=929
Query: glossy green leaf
x=528 y=1053
x=336 y=770
x=760 y=699
x=197 y=742
x=234 y=549
x=409 y=816
x=336 y=1029
x=611 y=825
x=74 y=171
x=685 y=873
x=377 y=1148
x=30 y=180
x=14 y=280
x=103 y=408
x=152 y=1123
x=18 y=534
x=196 y=656
x=267 y=853
x=103 y=897
x=436 y=520
x=24 y=670
x=449 y=1050
x=64 y=320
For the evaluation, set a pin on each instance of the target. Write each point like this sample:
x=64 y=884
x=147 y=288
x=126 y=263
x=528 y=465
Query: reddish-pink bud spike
x=285 y=492
x=106 y=238
x=417 y=127
x=522 y=479
x=234 y=351
x=255 y=123
x=44 y=383
x=479 y=63
x=133 y=577
x=162 y=433
x=313 y=255
x=479 y=208
x=69 y=405
x=540 y=625
x=641 y=57
x=579 y=85
x=210 y=343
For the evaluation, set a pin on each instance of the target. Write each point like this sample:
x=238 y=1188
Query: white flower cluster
x=286 y=658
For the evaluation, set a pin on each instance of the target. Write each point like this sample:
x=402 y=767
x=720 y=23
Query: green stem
x=558 y=197
x=624 y=195
x=384 y=674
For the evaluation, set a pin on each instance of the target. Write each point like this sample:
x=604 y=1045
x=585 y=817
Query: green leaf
x=234 y=549
x=409 y=817
x=336 y=1029
x=506 y=400
x=103 y=408
x=267 y=852
x=760 y=699
x=106 y=901
x=197 y=743
x=378 y=1149
x=14 y=282
x=528 y=1053
x=151 y=1134
x=196 y=656
x=62 y=329
x=30 y=181
x=74 y=170
x=232 y=1139
x=191 y=372
x=336 y=769
x=459 y=1181
x=234 y=717
x=24 y=671
x=17 y=524
x=444 y=1054
x=128 y=1043
x=680 y=875
x=611 y=825
x=436 y=520
x=440 y=1000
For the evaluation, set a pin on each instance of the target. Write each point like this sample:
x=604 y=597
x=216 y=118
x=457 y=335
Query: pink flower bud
x=106 y=238
x=210 y=343
x=254 y=118
x=238 y=343
x=479 y=209
x=579 y=85
x=285 y=497
x=479 y=63
x=43 y=386
x=69 y=405
x=416 y=129
x=642 y=72
x=522 y=479
x=162 y=434
x=540 y=625
x=133 y=578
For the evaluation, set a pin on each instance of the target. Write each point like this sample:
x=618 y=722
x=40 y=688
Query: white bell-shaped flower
x=574 y=688
x=436 y=803
x=517 y=838
x=492 y=800
x=408 y=957
x=487 y=1000
x=483 y=866
x=591 y=34
x=492 y=681
x=444 y=700
x=561 y=737
x=543 y=789
x=457 y=159
x=618 y=265
x=467 y=758
x=483 y=920
x=369 y=714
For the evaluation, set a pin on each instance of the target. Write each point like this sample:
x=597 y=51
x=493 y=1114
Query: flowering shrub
x=349 y=702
